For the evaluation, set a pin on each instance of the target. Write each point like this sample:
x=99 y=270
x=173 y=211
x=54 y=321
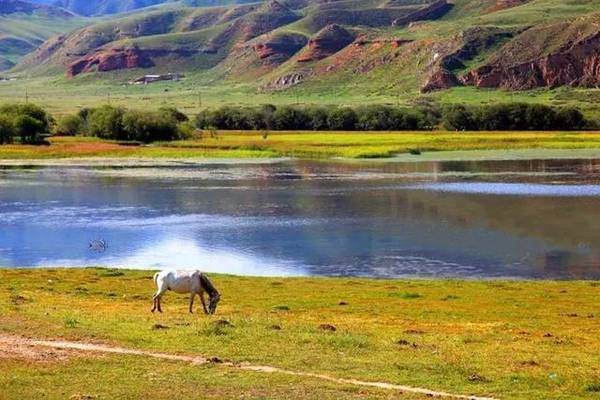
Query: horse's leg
x=192 y=295
x=158 y=302
x=153 y=303
x=203 y=302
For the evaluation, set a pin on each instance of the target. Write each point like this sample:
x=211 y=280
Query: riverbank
x=502 y=339
x=309 y=144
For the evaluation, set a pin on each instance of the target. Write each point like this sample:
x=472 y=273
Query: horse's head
x=213 y=301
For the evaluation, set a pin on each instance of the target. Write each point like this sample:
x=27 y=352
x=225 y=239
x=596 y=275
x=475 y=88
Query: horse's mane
x=207 y=285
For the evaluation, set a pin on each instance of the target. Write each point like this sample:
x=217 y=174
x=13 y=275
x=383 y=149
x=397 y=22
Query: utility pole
x=26 y=96
x=199 y=99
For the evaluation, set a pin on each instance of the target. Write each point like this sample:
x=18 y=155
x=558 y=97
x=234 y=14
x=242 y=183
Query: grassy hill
x=346 y=51
x=108 y=7
x=24 y=26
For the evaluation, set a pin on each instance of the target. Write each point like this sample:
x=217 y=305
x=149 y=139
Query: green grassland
x=506 y=339
x=309 y=144
x=60 y=95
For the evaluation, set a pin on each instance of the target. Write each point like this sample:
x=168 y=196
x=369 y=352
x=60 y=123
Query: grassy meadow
x=504 y=339
x=307 y=144
x=197 y=91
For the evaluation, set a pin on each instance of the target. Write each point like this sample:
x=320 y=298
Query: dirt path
x=25 y=347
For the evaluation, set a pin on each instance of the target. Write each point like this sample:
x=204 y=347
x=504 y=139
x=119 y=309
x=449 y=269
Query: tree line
x=513 y=116
x=31 y=124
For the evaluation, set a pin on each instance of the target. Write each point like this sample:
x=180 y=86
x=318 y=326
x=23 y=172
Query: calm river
x=518 y=219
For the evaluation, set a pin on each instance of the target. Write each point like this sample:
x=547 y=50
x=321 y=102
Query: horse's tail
x=156 y=279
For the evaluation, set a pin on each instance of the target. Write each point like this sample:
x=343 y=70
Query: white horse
x=192 y=282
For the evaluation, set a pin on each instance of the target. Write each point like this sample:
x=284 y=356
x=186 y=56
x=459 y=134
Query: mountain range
x=331 y=44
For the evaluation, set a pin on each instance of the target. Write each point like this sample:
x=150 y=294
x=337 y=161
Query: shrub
x=28 y=128
x=317 y=118
x=7 y=129
x=107 y=122
x=290 y=118
x=458 y=118
x=342 y=119
x=29 y=122
x=570 y=118
x=69 y=125
x=173 y=114
x=147 y=126
x=185 y=130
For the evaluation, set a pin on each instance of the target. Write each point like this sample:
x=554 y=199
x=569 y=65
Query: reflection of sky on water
x=521 y=189
x=297 y=218
x=184 y=253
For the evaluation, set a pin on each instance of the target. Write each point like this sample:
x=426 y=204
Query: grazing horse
x=192 y=282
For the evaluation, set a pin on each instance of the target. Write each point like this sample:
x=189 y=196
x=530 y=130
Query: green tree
x=29 y=129
x=458 y=118
x=107 y=122
x=342 y=119
x=69 y=125
x=7 y=129
x=148 y=126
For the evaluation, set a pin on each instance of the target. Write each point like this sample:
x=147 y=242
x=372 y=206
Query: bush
x=342 y=119
x=28 y=121
x=173 y=114
x=7 y=129
x=106 y=122
x=147 y=126
x=571 y=118
x=317 y=118
x=28 y=128
x=290 y=118
x=69 y=125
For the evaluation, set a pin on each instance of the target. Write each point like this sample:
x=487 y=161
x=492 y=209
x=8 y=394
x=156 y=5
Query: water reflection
x=454 y=219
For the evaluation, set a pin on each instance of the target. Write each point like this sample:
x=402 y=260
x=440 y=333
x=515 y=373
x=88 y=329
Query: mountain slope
x=24 y=26
x=323 y=45
x=107 y=7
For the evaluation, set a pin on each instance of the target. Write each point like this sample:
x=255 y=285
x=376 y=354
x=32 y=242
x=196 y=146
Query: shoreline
x=419 y=279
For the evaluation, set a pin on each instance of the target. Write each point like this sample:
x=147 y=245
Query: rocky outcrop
x=280 y=48
x=117 y=59
x=458 y=50
x=535 y=59
x=440 y=79
x=285 y=81
x=326 y=42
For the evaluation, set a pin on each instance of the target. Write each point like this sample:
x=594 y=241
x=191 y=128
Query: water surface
x=477 y=219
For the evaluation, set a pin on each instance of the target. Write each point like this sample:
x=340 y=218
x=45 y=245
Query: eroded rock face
x=286 y=81
x=109 y=60
x=440 y=79
x=458 y=50
x=116 y=59
x=328 y=41
x=574 y=63
x=279 y=49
